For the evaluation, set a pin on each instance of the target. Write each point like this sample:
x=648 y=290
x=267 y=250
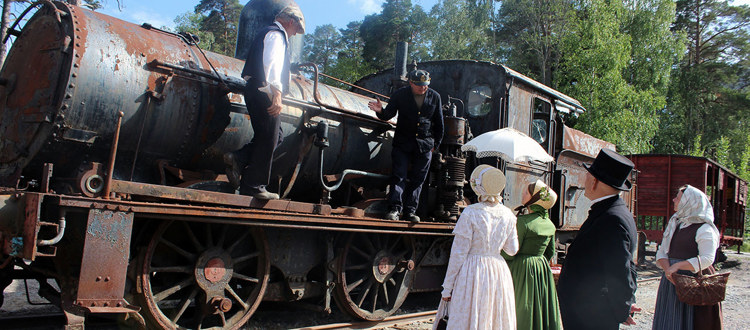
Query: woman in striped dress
x=690 y=240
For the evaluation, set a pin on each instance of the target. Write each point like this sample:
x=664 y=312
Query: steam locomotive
x=112 y=185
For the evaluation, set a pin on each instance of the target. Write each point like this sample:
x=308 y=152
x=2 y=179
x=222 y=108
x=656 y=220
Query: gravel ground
x=284 y=316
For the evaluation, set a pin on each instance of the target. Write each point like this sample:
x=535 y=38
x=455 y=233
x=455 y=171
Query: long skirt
x=670 y=313
x=536 y=296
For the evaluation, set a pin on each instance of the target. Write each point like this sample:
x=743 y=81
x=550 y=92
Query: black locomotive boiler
x=111 y=181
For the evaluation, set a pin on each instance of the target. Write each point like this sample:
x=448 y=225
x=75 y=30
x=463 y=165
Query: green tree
x=190 y=22
x=595 y=55
x=461 y=29
x=222 y=20
x=323 y=46
x=398 y=21
x=530 y=33
x=349 y=64
x=709 y=92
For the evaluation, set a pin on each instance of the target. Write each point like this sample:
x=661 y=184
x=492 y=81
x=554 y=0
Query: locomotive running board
x=217 y=198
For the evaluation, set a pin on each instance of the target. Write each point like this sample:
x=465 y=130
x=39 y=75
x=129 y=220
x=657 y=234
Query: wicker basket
x=701 y=290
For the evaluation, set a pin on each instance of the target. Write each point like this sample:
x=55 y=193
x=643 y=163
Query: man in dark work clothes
x=597 y=283
x=267 y=74
x=419 y=131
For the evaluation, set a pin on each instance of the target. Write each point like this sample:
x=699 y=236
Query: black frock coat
x=598 y=279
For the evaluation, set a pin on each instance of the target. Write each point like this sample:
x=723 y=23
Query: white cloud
x=367 y=6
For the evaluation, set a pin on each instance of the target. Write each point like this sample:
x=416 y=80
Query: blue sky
x=317 y=12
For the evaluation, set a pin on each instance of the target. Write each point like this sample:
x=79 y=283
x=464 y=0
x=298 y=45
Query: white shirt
x=273 y=59
x=707 y=241
x=603 y=198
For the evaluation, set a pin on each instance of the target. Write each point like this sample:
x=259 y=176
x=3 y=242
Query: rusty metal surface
x=168 y=114
x=191 y=195
x=660 y=176
x=259 y=217
x=106 y=252
x=581 y=142
x=573 y=205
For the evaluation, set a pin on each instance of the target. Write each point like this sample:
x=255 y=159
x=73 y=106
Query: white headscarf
x=694 y=207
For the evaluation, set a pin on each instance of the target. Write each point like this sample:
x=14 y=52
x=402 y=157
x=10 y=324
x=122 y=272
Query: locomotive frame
x=110 y=183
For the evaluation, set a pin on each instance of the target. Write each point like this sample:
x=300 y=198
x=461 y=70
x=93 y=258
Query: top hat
x=419 y=77
x=487 y=181
x=547 y=196
x=611 y=168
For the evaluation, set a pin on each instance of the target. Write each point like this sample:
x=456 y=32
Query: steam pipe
x=316 y=94
x=113 y=156
x=60 y=232
x=322 y=142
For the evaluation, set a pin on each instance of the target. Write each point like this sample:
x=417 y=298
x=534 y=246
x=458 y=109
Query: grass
x=745 y=246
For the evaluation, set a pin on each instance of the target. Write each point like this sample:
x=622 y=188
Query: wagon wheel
x=201 y=275
x=374 y=274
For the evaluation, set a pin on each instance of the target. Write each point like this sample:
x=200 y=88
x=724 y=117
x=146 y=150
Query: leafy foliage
x=531 y=33
x=709 y=96
x=461 y=29
x=399 y=21
x=221 y=18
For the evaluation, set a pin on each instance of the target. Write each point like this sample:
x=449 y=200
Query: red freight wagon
x=659 y=178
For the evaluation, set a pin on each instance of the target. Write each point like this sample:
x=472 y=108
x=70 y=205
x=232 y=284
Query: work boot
x=411 y=217
x=266 y=195
x=392 y=215
x=233 y=169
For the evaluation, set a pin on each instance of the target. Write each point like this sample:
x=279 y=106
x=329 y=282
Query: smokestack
x=399 y=68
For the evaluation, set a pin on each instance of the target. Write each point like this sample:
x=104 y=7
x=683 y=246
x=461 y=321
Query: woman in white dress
x=478 y=283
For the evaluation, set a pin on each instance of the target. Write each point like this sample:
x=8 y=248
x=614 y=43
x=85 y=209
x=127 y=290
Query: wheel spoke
x=209 y=235
x=395 y=243
x=375 y=298
x=364 y=293
x=172 y=269
x=358 y=267
x=377 y=243
x=385 y=294
x=185 y=304
x=236 y=297
x=368 y=244
x=238 y=242
x=354 y=285
x=170 y=291
x=245 y=278
x=362 y=253
x=223 y=236
x=177 y=249
x=247 y=257
x=191 y=235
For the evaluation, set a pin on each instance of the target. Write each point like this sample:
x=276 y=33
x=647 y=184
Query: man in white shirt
x=267 y=74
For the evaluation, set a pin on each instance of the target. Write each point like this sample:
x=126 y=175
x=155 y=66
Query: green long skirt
x=536 y=296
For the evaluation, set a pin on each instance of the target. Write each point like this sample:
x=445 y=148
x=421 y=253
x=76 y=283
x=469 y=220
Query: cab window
x=480 y=101
x=540 y=123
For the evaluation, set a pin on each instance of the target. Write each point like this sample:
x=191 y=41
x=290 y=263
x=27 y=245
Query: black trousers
x=406 y=183
x=267 y=136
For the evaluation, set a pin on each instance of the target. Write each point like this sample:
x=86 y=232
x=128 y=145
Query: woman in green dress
x=534 y=285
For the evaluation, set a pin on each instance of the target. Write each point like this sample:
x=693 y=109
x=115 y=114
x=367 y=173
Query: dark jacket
x=425 y=125
x=598 y=280
x=254 y=63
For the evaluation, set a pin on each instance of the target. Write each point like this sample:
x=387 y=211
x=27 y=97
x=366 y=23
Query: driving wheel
x=374 y=274
x=201 y=276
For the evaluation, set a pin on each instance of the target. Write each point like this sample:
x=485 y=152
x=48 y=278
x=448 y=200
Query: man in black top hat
x=597 y=283
x=419 y=131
